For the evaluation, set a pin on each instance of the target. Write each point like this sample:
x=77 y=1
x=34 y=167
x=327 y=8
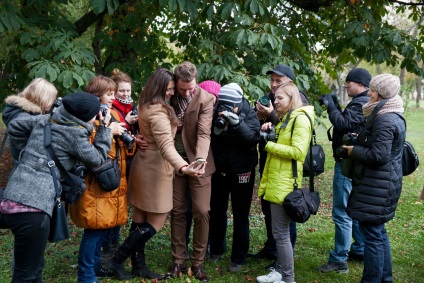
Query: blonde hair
x=40 y=92
x=291 y=91
x=118 y=77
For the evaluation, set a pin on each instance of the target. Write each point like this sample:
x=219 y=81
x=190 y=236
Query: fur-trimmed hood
x=16 y=104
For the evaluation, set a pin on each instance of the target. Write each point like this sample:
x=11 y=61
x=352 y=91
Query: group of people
x=195 y=147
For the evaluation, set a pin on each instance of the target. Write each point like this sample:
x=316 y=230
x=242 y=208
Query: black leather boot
x=116 y=263
x=138 y=258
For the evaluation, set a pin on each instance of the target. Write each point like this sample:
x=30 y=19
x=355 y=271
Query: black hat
x=83 y=105
x=360 y=76
x=283 y=70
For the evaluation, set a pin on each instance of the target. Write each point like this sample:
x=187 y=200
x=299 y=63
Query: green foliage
x=236 y=40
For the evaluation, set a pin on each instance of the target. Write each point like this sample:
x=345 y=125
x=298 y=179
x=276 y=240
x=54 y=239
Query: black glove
x=335 y=98
x=323 y=100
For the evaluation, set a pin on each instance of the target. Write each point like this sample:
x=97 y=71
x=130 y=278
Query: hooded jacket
x=18 y=106
x=31 y=183
x=277 y=177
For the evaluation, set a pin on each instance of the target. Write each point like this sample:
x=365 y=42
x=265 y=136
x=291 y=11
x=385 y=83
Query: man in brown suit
x=194 y=109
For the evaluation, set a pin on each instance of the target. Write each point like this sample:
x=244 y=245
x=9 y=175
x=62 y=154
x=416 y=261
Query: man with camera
x=349 y=120
x=281 y=74
x=234 y=145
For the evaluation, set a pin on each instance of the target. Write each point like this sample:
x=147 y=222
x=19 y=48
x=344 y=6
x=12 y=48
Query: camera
x=134 y=110
x=79 y=170
x=103 y=109
x=56 y=104
x=221 y=122
x=127 y=139
x=264 y=100
x=347 y=139
x=269 y=135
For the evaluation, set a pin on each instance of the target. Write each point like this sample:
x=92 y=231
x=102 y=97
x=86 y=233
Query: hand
x=232 y=118
x=323 y=100
x=191 y=171
x=131 y=119
x=335 y=98
x=263 y=111
x=116 y=128
x=266 y=126
x=105 y=120
x=141 y=143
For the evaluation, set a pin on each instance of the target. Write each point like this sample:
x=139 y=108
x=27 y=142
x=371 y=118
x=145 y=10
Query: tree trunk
x=378 y=69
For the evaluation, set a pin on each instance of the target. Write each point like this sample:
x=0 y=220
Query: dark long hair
x=155 y=89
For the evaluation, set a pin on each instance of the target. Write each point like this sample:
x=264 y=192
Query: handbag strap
x=50 y=162
x=51 y=154
x=294 y=162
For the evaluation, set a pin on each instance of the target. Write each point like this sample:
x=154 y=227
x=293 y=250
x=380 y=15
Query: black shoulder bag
x=301 y=203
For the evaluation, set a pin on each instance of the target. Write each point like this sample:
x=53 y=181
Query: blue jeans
x=377 y=254
x=89 y=255
x=111 y=236
x=345 y=228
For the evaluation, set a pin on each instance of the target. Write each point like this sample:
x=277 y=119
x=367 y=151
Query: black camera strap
x=375 y=111
x=294 y=162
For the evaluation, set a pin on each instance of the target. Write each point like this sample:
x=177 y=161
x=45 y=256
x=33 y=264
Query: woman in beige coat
x=151 y=175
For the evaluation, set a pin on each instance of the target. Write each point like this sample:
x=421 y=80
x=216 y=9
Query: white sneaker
x=271 y=277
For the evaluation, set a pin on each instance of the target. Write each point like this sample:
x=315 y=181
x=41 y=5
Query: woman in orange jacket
x=97 y=211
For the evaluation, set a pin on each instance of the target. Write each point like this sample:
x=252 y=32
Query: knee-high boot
x=116 y=263
x=138 y=259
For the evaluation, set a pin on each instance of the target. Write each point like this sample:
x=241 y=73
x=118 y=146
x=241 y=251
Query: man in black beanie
x=350 y=120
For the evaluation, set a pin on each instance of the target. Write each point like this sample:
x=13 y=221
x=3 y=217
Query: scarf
x=394 y=104
x=180 y=109
x=129 y=101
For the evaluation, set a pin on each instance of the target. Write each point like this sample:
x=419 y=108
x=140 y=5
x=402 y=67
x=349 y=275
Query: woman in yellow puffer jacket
x=97 y=211
x=277 y=179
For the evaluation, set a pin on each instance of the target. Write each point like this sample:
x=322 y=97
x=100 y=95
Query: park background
x=69 y=41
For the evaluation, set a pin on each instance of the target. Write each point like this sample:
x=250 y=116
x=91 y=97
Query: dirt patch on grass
x=6 y=161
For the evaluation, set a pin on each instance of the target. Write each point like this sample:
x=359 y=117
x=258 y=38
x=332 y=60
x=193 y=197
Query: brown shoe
x=199 y=273
x=175 y=270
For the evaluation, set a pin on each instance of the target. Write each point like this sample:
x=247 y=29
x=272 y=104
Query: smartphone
x=198 y=162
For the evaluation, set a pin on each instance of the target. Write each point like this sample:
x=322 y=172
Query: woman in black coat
x=377 y=175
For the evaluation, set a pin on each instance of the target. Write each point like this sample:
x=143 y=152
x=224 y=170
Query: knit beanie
x=386 y=85
x=230 y=95
x=360 y=76
x=211 y=87
x=83 y=105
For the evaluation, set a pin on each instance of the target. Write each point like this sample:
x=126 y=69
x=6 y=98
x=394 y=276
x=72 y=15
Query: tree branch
x=87 y=20
x=407 y=3
x=311 y=5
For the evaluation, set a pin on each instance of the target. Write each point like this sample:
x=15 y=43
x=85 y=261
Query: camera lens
x=220 y=122
x=264 y=100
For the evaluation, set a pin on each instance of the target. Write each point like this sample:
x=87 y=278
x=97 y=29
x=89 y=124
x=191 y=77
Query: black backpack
x=410 y=159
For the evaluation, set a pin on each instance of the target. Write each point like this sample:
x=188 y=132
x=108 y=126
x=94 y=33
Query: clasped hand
x=231 y=117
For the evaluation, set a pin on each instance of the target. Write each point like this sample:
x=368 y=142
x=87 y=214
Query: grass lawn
x=314 y=241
